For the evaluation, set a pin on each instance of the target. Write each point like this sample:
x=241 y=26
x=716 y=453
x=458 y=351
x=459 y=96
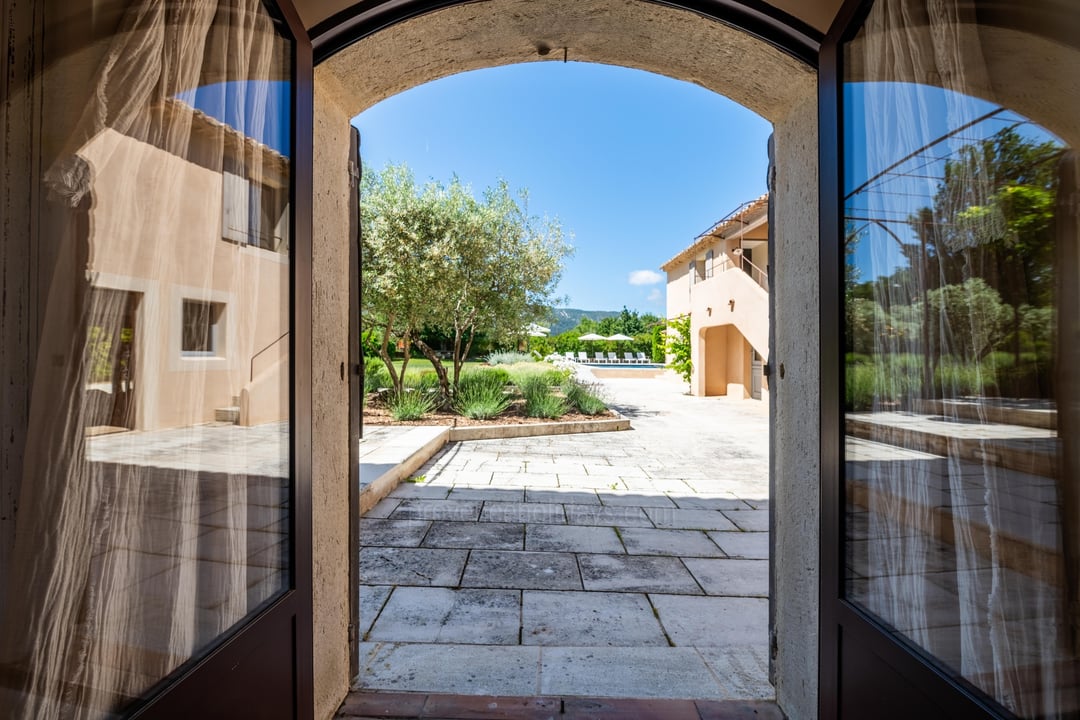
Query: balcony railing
x=741 y=262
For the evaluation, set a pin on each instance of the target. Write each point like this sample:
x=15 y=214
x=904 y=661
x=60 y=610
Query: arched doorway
x=398 y=51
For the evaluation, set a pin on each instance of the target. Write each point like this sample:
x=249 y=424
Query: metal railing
x=742 y=263
x=756 y=274
x=251 y=375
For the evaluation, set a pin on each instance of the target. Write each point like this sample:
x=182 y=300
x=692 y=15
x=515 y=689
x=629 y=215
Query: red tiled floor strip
x=472 y=707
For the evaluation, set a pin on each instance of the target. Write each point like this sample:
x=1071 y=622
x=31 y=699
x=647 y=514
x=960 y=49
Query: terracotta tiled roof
x=743 y=215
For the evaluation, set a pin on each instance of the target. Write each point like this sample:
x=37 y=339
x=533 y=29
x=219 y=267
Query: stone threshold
x=382 y=469
x=421 y=706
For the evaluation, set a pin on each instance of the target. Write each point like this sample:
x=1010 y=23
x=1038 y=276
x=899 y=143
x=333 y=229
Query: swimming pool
x=624 y=366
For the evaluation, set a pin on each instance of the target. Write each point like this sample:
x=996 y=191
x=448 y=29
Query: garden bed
x=377 y=414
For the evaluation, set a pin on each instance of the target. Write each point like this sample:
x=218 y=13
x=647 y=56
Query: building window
x=254 y=213
x=201 y=326
x=709 y=264
x=693 y=272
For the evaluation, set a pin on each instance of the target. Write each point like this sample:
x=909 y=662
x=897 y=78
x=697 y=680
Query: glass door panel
x=154 y=497
x=960 y=366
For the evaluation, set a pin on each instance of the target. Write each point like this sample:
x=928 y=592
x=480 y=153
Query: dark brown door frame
x=761 y=20
x=227 y=682
x=356 y=390
x=896 y=677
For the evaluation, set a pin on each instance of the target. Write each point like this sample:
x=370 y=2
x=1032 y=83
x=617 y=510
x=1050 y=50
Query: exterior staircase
x=230 y=414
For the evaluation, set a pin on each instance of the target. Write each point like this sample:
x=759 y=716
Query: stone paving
x=624 y=565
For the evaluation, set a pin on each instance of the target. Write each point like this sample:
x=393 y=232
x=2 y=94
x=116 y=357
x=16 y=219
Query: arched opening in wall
x=755 y=75
x=635 y=538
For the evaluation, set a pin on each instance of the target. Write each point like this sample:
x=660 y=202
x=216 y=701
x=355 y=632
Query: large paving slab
x=465 y=669
x=731 y=576
x=689 y=519
x=460 y=510
x=676 y=543
x=442 y=615
x=636 y=574
x=526 y=570
x=372 y=599
x=748 y=545
x=398 y=533
x=589 y=618
x=713 y=621
x=653 y=672
x=613 y=516
x=476 y=535
x=523 y=512
x=573 y=538
x=562 y=495
x=411 y=566
x=750 y=520
x=742 y=670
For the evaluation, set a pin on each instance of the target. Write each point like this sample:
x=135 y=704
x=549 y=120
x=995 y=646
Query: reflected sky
x=912 y=130
x=257 y=108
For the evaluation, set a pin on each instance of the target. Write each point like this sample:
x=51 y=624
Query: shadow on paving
x=621 y=565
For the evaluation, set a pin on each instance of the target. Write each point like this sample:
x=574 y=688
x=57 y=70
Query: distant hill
x=564 y=319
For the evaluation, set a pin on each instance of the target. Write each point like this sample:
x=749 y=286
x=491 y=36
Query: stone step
x=229 y=414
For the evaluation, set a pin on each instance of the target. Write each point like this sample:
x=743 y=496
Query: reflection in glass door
x=154 y=498
x=960 y=365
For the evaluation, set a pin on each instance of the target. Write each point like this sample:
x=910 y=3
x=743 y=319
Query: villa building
x=722 y=282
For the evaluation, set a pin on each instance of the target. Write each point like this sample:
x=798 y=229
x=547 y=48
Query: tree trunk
x=468 y=347
x=384 y=354
x=440 y=370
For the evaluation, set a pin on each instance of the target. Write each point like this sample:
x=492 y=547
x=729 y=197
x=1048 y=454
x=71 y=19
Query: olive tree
x=438 y=258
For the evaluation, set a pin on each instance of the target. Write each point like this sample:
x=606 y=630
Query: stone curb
x=500 y=432
x=372 y=492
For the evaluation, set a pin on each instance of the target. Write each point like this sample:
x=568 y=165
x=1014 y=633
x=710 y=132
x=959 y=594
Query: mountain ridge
x=563 y=319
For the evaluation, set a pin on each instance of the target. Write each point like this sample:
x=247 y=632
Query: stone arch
x=655 y=37
x=668 y=41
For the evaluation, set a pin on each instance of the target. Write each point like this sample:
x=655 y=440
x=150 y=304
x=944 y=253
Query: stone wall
x=330 y=400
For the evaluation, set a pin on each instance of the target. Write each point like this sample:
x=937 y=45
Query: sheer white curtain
x=940 y=544
x=135 y=550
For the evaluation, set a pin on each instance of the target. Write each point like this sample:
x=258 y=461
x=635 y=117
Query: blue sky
x=635 y=165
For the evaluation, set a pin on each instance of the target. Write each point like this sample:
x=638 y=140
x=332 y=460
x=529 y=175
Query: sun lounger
x=569 y=355
x=641 y=358
x=629 y=358
x=612 y=357
x=600 y=357
x=582 y=356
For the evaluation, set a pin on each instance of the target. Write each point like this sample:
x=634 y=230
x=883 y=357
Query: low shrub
x=410 y=404
x=376 y=375
x=421 y=380
x=859 y=380
x=521 y=373
x=495 y=377
x=957 y=378
x=508 y=358
x=539 y=400
x=588 y=399
x=481 y=400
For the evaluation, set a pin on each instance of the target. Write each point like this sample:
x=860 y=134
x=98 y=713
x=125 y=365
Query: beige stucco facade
x=721 y=282
x=155 y=227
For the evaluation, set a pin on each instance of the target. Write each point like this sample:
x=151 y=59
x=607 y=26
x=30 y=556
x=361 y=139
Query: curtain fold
x=145 y=529
x=959 y=551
